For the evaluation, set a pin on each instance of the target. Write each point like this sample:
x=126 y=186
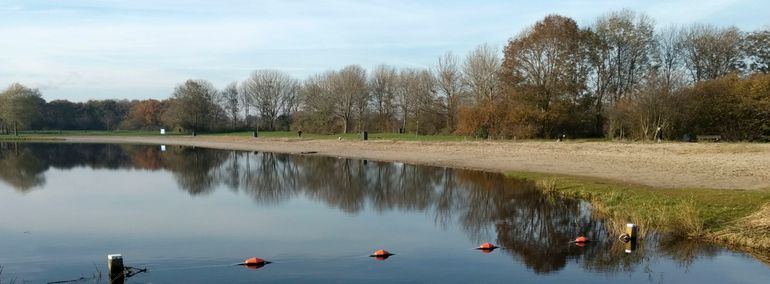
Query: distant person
x=299 y=133
x=659 y=135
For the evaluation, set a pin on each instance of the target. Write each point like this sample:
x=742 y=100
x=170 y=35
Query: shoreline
x=678 y=203
x=667 y=165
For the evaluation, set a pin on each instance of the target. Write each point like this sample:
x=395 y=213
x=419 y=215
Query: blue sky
x=80 y=50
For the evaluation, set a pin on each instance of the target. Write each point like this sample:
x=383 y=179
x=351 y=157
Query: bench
x=711 y=138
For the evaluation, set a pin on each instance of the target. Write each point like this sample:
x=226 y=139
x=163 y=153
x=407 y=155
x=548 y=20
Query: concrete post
x=632 y=230
x=115 y=268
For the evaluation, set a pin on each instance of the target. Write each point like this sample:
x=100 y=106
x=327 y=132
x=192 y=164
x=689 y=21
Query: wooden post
x=632 y=230
x=115 y=268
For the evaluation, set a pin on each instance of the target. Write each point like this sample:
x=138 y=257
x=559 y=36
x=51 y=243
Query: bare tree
x=639 y=114
x=404 y=91
x=449 y=84
x=480 y=70
x=756 y=51
x=231 y=102
x=711 y=52
x=193 y=106
x=317 y=93
x=271 y=91
x=624 y=45
x=414 y=95
x=246 y=102
x=382 y=85
x=351 y=95
x=424 y=94
x=318 y=104
x=668 y=58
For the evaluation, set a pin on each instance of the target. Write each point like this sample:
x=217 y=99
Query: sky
x=140 y=49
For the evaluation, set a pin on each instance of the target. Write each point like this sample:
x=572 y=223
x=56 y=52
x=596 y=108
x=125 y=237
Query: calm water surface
x=190 y=214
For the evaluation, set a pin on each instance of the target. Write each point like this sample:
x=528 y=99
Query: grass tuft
x=548 y=185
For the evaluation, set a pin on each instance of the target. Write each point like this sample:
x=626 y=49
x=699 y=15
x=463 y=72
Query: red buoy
x=487 y=246
x=254 y=263
x=381 y=254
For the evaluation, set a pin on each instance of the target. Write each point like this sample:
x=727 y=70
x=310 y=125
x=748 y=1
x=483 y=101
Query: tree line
x=618 y=77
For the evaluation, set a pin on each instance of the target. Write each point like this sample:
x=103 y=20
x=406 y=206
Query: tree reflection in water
x=532 y=227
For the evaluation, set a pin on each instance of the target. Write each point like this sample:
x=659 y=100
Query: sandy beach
x=667 y=165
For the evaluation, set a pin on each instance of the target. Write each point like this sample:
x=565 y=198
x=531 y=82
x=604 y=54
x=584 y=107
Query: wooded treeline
x=617 y=78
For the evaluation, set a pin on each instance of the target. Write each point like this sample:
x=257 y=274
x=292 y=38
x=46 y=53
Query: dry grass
x=751 y=231
x=685 y=219
x=548 y=185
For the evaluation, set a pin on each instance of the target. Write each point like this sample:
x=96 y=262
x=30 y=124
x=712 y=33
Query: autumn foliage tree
x=542 y=71
x=145 y=114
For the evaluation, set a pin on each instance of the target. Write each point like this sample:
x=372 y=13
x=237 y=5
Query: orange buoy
x=381 y=253
x=487 y=246
x=581 y=240
x=254 y=263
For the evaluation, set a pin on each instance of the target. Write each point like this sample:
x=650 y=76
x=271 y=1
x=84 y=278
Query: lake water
x=189 y=215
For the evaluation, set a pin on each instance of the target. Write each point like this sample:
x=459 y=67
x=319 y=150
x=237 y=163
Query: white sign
x=163 y=148
x=162 y=131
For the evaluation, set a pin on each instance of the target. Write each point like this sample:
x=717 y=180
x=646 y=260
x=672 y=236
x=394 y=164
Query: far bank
x=665 y=165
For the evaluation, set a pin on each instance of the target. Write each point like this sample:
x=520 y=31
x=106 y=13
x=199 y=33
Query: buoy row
x=255 y=262
x=116 y=261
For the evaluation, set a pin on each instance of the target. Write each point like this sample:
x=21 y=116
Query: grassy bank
x=11 y=138
x=732 y=217
x=54 y=133
x=348 y=136
x=36 y=135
